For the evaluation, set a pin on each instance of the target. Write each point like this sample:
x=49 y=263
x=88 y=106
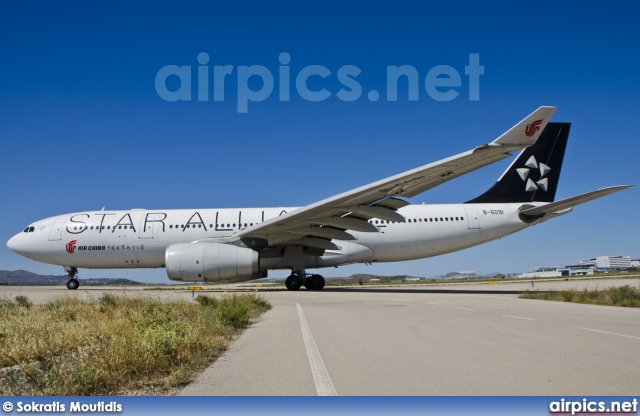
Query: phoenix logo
x=71 y=246
x=543 y=183
x=532 y=128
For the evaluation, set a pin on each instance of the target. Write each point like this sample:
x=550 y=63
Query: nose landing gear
x=72 y=283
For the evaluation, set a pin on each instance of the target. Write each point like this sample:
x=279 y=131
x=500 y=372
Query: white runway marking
x=465 y=309
x=609 y=333
x=518 y=317
x=324 y=385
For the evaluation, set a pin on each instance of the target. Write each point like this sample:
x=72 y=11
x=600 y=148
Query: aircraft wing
x=573 y=201
x=333 y=217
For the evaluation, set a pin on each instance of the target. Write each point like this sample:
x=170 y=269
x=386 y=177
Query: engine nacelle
x=211 y=262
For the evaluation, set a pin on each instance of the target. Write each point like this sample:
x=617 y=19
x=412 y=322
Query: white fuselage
x=139 y=238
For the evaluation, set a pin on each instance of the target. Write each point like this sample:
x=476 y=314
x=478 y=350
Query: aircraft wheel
x=293 y=282
x=73 y=284
x=316 y=282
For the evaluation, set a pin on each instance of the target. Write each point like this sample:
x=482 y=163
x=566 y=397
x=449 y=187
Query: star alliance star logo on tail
x=71 y=246
x=532 y=163
x=532 y=128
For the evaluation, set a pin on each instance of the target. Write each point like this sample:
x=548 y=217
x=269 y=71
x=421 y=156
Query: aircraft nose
x=13 y=244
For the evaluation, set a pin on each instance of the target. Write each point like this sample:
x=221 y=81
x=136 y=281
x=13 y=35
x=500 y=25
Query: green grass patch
x=626 y=296
x=115 y=345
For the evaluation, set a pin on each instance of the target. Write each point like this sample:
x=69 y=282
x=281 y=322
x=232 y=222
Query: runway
x=453 y=340
x=412 y=342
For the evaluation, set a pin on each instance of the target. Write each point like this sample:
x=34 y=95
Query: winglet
x=528 y=130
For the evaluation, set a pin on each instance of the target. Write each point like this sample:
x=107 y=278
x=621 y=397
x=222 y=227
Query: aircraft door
x=472 y=218
x=56 y=230
x=147 y=225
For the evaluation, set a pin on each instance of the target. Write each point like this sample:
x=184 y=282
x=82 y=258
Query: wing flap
x=323 y=232
x=346 y=223
x=372 y=211
x=391 y=203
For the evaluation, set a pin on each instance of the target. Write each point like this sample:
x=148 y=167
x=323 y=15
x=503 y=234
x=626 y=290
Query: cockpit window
x=29 y=229
x=32 y=229
x=26 y=230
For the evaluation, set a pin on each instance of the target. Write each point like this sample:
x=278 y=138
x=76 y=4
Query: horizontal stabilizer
x=573 y=201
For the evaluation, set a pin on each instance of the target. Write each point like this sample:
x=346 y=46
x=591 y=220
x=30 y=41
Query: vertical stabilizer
x=534 y=175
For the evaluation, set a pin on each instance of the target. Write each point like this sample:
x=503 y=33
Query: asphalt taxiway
x=466 y=341
x=446 y=340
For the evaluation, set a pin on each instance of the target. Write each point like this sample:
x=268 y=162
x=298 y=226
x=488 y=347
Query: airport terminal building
x=609 y=262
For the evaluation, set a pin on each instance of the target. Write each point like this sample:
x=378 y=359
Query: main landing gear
x=72 y=283
x=298 y=279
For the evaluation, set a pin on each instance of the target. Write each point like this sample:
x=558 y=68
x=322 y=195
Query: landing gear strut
x=72 y=283
x=298 y=279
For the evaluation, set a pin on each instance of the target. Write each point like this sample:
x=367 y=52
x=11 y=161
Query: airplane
x=370 y=224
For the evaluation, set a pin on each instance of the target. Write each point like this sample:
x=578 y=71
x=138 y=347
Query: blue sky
x=82 y=125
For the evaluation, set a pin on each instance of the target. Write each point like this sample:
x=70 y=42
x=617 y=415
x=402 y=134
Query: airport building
x=572 y=270
x=609 y=262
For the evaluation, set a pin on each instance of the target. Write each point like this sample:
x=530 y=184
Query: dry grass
x=115 y=345
x=627 y=296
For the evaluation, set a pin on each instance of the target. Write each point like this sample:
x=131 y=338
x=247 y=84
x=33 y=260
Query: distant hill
x=26 y=278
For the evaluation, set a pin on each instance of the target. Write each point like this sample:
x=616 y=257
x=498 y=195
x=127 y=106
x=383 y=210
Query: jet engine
x=211 y=262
